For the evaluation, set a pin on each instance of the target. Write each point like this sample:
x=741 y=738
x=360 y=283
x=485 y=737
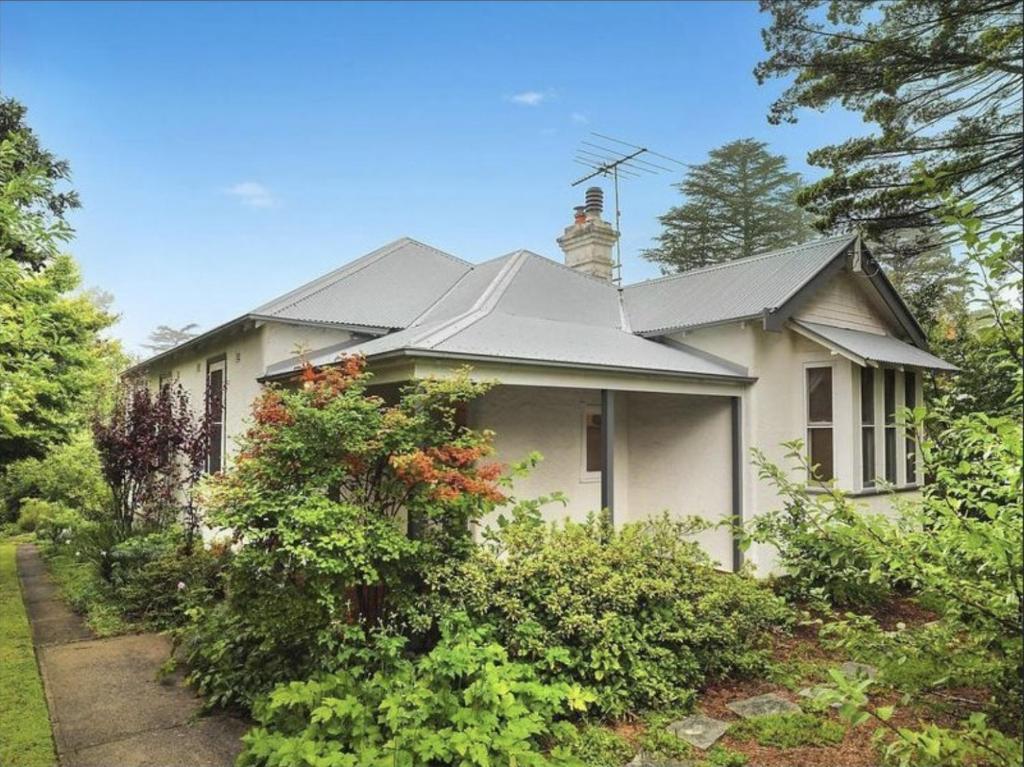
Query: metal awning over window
x=870 y=349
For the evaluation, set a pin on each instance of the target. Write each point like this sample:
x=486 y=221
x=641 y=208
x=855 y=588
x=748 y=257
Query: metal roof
x=739 y=289
x=532 y=309
x=388 y=288
x=871 y=347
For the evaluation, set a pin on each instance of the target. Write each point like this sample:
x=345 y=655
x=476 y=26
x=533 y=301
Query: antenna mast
x=612 y=163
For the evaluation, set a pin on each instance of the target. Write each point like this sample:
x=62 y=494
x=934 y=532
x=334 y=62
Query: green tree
x=738 y=203
x=942 y=81
x=49 y=338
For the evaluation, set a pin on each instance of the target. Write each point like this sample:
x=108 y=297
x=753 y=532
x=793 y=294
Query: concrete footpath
x=106 y=705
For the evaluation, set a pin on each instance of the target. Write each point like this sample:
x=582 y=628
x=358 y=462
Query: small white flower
x=181 y=585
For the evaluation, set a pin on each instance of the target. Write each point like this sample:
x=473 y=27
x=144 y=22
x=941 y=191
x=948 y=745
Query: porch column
x=737 y=477
x=608 y=452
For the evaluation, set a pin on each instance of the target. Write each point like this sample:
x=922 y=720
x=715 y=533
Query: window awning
x=870 y=348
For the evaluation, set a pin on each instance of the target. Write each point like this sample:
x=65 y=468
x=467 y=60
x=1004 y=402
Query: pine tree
x=738 y=203
x=165 y=338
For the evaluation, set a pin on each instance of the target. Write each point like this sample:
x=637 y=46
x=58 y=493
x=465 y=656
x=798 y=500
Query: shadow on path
x=106 y=705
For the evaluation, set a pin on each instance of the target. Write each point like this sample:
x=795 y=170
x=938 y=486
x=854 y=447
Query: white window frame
x=806 y=404
x=587 y=411
x=859 y=426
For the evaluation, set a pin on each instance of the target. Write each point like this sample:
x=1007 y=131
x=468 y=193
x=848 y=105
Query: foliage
x=639 y=615
x=464 y=703
x=339 y=504
x=69 y=474
x=25 y=738
x=597 y=746
x=82 y=587
x=165 y=338
x=740 y=202
x=154 y=579
x=48 y=336
x=973 y=742
x=960 y=545
x=941 y=80
x=152 y=450
x=790 y=730
x=818 y=562
x=986 y=341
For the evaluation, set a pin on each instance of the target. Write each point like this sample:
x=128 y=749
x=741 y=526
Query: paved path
x=106 y=705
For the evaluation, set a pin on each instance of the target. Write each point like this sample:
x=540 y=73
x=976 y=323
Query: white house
x=641 y=398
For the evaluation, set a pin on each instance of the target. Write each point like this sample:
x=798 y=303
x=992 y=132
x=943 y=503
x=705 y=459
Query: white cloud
x=580 y=118
x=253 y=194
x=529 y=98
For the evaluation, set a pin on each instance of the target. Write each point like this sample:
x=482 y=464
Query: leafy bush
x=69 y=475
x=54 y=521
x=597 y=746
x=464 y=703
x=154 y=578
x=790 y=730
x=639 y=614
x=340 y=505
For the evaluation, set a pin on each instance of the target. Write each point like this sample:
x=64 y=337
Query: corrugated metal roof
x=387 y=288
x=873 y=347
x=734 y=290
x=529 y=308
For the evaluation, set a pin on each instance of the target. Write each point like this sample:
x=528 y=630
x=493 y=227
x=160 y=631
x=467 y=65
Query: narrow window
x=593 y=460
x=215 y=410
x=890 y=426
x=164 y=380
x=910 y=401
x=867 y=426
x=819 y=422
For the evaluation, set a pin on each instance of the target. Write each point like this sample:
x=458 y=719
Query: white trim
x=831 y=424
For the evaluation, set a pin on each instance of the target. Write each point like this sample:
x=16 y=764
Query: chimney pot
x=594 y=201
x=579 y=214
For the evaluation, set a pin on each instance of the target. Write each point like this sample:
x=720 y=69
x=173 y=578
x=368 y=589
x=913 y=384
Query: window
x=215 y=410
x=593 y=459
x=165 y=380
x=867 y=426
x=890 y=426
x=910 y=401
x=819 y=422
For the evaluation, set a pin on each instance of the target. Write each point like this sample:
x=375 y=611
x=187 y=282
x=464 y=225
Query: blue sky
x=225 y=153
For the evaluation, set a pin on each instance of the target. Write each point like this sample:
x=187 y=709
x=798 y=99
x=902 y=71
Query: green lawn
x=25 y=738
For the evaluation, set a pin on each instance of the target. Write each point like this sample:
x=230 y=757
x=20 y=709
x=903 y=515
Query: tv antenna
x=625 y=161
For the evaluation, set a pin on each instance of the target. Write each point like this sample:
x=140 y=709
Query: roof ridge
x=566 y=267
x=483 y=306
x=444 y=253
x=740 y=261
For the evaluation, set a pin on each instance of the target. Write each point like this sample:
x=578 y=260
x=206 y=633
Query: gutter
x=430 y=354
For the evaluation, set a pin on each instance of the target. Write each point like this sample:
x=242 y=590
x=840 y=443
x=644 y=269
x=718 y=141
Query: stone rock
x=762 y=705
x=700 y=731
x=853 y=670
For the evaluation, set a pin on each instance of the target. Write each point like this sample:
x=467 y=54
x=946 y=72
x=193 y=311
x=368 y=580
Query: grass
x=81 y=587
x=790 y=730
x=25 y=736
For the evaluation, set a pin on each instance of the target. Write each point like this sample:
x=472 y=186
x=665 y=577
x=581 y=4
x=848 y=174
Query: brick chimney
x=588 y=242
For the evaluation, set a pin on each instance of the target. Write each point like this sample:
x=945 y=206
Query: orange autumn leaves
x=446 y=473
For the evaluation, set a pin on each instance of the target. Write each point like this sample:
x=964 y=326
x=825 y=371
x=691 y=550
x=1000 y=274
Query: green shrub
x=598 y=746
x=639 y=614
x=463 y=703
x=790 y=730
x=154 y=578
x=69 y=475
x=59 y=523
x=31 y=510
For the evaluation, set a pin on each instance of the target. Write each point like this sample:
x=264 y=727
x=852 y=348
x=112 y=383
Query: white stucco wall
x=247 y=352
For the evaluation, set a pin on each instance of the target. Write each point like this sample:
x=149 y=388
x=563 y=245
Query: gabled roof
x=742 y=289
x=525 y=308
